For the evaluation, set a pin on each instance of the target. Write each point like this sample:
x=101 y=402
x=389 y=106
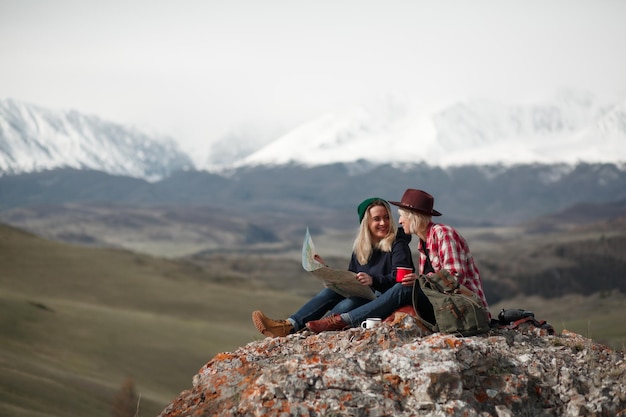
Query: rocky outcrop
x=398 y=370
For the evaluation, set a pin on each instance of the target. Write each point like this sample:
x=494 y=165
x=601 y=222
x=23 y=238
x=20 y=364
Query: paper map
x=343 y=282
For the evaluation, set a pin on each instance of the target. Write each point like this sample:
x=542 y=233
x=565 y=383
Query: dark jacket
x=382 y=265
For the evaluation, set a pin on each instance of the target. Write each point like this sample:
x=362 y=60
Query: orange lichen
x=454 y=342
x=481 y=396
x=222 y=356
x=394 y=380
x=313 y=360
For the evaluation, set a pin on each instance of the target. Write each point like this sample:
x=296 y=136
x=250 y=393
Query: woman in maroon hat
x=379 y=248
x=440 y=247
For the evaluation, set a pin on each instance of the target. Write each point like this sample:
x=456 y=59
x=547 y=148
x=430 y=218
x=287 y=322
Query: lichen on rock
x=398 y=370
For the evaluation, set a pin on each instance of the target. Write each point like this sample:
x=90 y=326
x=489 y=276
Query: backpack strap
x=416 y=287
x=428 y=266
x=541 y=324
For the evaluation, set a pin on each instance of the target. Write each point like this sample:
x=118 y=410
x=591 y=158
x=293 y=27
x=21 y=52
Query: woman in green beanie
x=379 y=248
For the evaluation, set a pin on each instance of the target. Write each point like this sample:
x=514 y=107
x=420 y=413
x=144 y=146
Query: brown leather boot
x=269 y=327
x=329 y=323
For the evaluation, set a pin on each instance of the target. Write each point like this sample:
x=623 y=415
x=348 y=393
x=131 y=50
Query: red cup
x=401 y=271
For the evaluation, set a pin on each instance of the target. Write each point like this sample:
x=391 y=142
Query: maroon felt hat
x=417 y=200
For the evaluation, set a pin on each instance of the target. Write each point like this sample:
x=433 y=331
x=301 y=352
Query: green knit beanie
x=364 y=205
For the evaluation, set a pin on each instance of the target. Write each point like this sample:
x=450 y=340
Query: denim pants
x=391 y=300
x=326 y=300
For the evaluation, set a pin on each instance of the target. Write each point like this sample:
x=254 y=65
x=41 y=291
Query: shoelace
x=335 y=321
x=284 y=325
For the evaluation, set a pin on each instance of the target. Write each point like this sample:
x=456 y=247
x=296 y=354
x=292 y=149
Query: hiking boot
x=329 y=323
x=269 y=327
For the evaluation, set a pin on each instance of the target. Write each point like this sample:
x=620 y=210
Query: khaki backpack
x=457 y=309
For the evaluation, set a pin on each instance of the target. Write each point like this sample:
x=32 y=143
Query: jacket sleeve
x=400 y=256
x=451 y=254
x=352 y=266
x=455 y=256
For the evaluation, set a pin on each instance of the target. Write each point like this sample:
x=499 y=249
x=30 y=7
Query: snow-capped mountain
x=572 y=128
x=35 y=139
x=569 y=129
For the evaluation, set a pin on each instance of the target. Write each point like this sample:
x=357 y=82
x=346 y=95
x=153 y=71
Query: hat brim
x=400 y=204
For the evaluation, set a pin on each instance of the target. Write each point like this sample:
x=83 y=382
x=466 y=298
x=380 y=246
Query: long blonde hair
x=418 y=222
x=363 y=245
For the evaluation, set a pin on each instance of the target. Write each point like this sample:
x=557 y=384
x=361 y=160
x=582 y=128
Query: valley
x=101 y=293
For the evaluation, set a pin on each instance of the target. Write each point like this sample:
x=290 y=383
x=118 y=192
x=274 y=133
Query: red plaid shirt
x=449 y=250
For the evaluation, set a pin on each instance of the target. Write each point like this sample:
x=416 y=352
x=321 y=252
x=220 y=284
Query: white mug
x=370 y=323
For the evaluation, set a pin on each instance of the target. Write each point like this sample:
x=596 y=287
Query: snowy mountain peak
x=35 y=139
x=569 y=129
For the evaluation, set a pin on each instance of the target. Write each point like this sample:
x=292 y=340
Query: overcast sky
x=200 y=69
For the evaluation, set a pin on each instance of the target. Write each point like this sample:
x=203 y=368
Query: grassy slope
x=74 y=322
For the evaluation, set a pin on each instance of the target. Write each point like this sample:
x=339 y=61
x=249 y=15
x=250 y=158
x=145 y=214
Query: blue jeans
x=383 y=306
x=319 y=305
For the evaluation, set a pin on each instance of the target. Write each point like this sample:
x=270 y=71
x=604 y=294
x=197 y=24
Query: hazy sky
x=199 y=69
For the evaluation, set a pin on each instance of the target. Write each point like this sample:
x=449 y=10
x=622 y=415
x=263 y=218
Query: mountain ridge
x=570 y=129
x=466 y=195
x=34 y=139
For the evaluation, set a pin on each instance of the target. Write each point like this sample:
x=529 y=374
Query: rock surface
x=398 y=370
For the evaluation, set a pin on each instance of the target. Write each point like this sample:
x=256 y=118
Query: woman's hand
x=409 y=279
x=364 y=279
x=319 y=259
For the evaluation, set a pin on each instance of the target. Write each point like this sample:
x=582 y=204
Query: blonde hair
x=363 y=245
x=418 y=222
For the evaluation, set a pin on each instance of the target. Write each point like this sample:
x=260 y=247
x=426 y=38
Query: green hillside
x=75 y=322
